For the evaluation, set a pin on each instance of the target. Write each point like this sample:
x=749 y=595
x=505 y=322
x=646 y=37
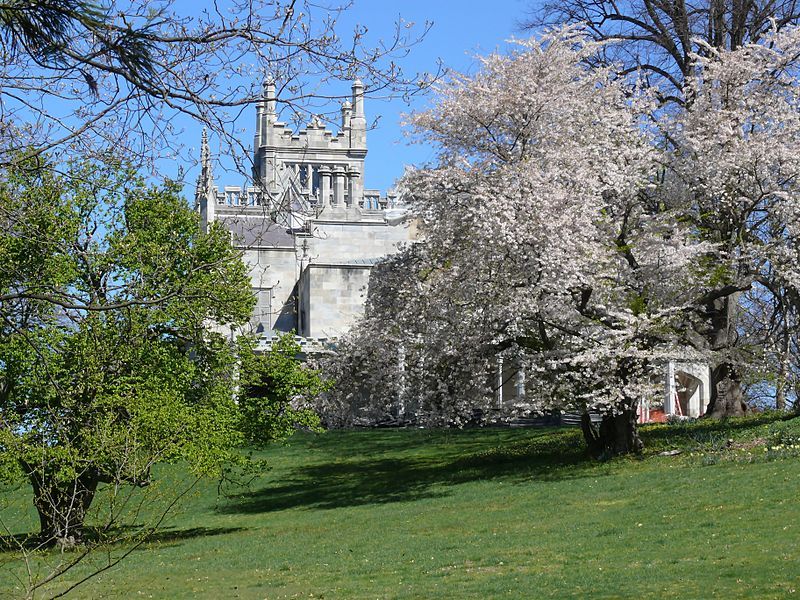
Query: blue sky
x=460 y=30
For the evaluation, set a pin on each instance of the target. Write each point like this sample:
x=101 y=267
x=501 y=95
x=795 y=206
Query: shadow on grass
x=357 y=479
x=374 y=442
x=382 y=466
x=117 y=537
x=707 y=431
x=179 y=535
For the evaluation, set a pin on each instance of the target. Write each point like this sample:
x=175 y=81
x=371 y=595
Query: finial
x=269 y=92
x=347 y=111
x=268 y=99
x=205 y=153
x=358 y=99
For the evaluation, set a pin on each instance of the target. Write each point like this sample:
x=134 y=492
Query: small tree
x=106 y=360
x=109 y=362
x=276 y=391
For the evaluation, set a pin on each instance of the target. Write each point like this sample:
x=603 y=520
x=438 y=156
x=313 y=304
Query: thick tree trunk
x=62 y=509
x=783 y=370
x=617 y=434
x=780 y=394
x=726 y=396
x=727 y=399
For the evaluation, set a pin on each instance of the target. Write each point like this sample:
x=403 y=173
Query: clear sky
x=460 y=30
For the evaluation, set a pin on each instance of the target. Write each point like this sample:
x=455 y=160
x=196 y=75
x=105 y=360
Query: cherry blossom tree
x=539 y=243
x=572 y=223
x=732 y=160
x=667 y=44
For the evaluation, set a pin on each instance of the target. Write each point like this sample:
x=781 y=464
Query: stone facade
x=308 y=229
x=311 y=233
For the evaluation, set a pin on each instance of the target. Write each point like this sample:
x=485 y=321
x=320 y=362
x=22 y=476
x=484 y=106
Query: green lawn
x=492 y=513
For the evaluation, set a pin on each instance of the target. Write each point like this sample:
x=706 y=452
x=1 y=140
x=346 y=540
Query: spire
x=205 y=153
x=204 y=193
x=205 y=177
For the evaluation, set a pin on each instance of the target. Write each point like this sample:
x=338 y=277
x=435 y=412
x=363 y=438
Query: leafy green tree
x=276 y=390
x=109 y=362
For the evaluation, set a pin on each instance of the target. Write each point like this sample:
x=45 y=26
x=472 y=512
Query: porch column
x=520 y=383
x=499 y=382
x=669 y=390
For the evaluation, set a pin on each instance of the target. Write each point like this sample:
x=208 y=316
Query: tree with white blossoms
x=541 y=241
x=668 y=44
x=732 y=161
x=572 y=223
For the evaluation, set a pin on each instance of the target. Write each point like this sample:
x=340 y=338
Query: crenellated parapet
x=308 y=229
x=233 y=199
x=314 y=173
x=325 y=168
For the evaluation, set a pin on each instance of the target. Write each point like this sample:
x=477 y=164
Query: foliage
x=115 y=357
x=679 y=49
x=108 y=363
x=581 y=231
x=534 y=243
x=276 y=390
x=738 y=189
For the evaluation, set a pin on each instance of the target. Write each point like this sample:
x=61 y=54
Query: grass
x=485 y=513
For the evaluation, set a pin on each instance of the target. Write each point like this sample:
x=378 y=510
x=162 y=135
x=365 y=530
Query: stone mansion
x=311 y=232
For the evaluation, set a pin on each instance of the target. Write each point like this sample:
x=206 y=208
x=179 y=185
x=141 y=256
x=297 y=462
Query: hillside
x=484 y=513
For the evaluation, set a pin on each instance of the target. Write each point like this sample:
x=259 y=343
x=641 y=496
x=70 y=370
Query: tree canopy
x=572 y=224
x=111 y=353
x=84 y=77
x=662 y=40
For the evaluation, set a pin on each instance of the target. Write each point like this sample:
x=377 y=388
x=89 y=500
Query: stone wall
x=347 y=241
x=276 y=269
x=331 y=298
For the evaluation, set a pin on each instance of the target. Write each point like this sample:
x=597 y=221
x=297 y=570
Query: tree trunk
x=616 y=435
x=726 y=396
x=783 y=369
x=727 y=399
x=780 y=394
x=62 y=509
